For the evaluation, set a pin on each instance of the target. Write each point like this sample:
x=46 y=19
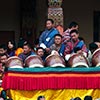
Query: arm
x=84 y=48
x=41 y=38
x=67 y=50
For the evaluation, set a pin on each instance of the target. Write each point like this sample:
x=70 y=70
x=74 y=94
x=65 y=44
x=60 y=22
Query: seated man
x=27 y=51
x=3 y=59
x=92 y=47
x=58 y=45
x=47 y=37
x=40 y=52
x=76 y=46
x=66 y=34
x=3 y=49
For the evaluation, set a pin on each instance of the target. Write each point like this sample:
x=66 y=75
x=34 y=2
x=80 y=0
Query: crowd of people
x=50 y=41
x=76 y=98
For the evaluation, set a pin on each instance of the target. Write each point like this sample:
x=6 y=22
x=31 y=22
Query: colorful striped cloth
x=51 y=78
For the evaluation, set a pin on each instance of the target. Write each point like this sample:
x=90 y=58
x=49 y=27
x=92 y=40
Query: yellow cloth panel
x=1 y=89
x=62 y=94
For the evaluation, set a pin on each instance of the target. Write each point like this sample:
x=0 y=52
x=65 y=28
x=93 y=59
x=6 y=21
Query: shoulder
x=81 y=42
x=33 y=53
x=63 y=44
x=21 y=54
x=44 y=32
x=55 y=29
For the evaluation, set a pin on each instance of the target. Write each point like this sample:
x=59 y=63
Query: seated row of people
x=29 y=59
x=50 y=41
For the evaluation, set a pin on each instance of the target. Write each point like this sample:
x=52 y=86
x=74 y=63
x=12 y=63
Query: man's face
x=26 y=49
x=3 y=59
x=49 y=25
x=40 y=52
x=2 y=51
x=58 y=40
x=74 y=36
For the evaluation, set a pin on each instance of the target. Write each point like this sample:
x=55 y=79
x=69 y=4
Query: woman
x=11 y=48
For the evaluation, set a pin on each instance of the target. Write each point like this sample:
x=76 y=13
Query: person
x=76 y=46
x=92 y=47
x=77 y=98
x=66 y=35
x=36 y=44
x=46 y=39
x=88 y=98
x=3 y=58
x=97 y=43
x=3 y=49
x=20 y=46
x=40 y=52
x=11 y=48
x=41 y=98
x=4 y=96
x=27 y=51
x=58 y=46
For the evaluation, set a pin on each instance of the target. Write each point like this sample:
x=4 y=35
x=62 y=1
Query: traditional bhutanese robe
x=47 y=38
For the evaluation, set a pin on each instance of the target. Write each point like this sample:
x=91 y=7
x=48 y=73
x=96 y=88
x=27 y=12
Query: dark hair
x=39 y=97
x=93 y=46
x=58 y=35
x=77 y=98
x=4 y=54
x=74 y=31
x=12 y=42
x=87 y=98
x=39 y=48
x=77 y=49
x=72 y=24
x=81 y=39
x=3 y=46
x=27 y=44
x=51 y=20
x=36 y=41
x=21 y=42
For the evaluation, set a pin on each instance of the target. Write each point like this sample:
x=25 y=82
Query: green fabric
x=49 y=69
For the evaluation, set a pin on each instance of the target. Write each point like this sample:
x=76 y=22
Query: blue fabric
x=24 y=56
x=62 y=49
x=12 y=53
x=48 y=34
x=79 y=45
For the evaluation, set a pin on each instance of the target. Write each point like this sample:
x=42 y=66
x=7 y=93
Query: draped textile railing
x=51 y=78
